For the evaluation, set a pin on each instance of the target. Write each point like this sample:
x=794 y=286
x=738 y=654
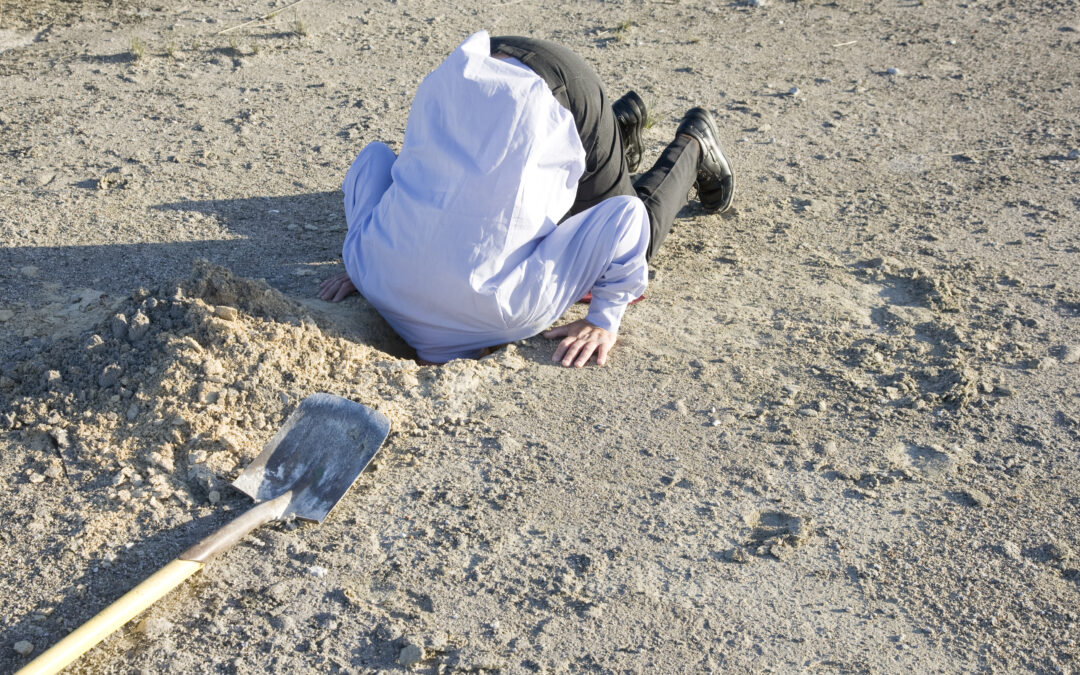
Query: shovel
x=303 y=471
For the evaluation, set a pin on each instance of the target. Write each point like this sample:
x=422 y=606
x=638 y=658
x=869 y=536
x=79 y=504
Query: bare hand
x=580 y=340
x=336 y=288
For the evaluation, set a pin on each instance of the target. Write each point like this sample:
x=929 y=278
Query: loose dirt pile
x=168 y=399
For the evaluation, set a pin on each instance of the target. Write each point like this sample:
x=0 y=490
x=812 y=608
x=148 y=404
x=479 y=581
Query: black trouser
x=576 y=86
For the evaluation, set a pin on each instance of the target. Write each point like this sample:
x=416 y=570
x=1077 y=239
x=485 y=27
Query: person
x=511 y=199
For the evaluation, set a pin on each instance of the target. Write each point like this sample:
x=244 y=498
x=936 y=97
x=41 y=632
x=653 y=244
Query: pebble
x=214 y=496
x=24 y=647
x=1074 y=154
x=45 y=178
x=118 y=324
x=225 y=312
x=28 y=271
x=892 y=71
x=109 y=376
x=739 y=555
x=977 y=497
x=154 y=627
x=410 y=655
x=1011 y=550
x=1057 y=550
x=1070 y=354
x=6 y=315
x=509 y=444
x=756 y=3
x=809 y=412
x=60 y=436
x=138 y=326
x=794 y=91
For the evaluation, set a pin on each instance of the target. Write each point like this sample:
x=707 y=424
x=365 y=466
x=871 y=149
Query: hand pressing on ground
x=580 y=340
x=336 y=288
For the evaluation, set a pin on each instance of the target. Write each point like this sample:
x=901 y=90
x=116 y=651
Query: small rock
x=1074 y=154
x=138 y=326
x=892 y=71
x=977 y=497
x=1011 y=550
x=225 y=312
x=214 y=496
x=739 y=555
x=794 y=91
x=1058 y=551
x=44 y=178
x=24 y=647
x=36 y=477
x=163 y=462
x=809 y=412
x=1070 y=354
x=60 y=437
x=54 y=471
x=6 y=315
x=28 y=271
x=132 y=412
x=509 y=444
x=317 y=571
x=154 y=627
x=410 y=655
x=756 y=3
x=109 y=376
x=118 y=324
x=51 y=377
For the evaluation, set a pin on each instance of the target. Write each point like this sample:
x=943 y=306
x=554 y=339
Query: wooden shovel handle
x=237 y=528
x=153 y=589
x=112 y=617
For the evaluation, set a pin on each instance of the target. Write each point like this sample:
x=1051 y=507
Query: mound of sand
x=170 y=397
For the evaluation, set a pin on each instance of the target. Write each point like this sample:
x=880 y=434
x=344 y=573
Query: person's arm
x=337 y=288
x=624 y=278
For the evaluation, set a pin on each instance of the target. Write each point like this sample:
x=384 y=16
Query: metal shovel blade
x=318 y=453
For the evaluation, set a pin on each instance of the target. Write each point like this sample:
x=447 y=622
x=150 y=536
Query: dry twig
x=264 y=17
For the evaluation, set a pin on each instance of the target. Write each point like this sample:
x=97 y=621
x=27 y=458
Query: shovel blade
x=318 y=453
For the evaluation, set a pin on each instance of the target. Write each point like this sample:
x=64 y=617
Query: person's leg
x=577 y=87
x=664 y=187
x=695 y=159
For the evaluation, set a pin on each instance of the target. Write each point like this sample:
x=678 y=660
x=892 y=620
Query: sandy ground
x=841 y=434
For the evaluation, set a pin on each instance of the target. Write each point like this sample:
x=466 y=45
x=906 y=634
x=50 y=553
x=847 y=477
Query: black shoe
x=715 y=182
x=631 y=117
